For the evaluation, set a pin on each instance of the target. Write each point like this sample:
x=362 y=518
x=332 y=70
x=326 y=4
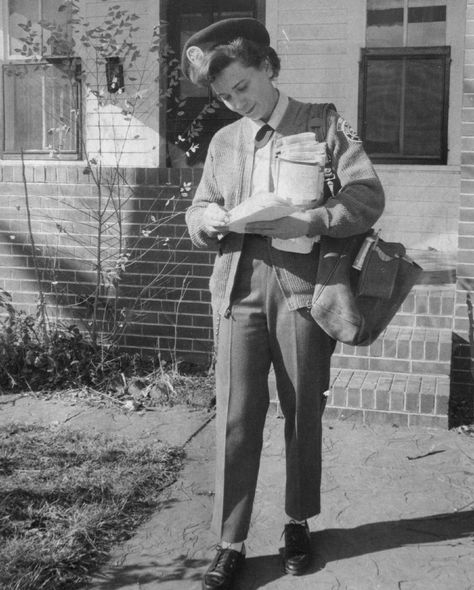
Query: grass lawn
x=67 y=496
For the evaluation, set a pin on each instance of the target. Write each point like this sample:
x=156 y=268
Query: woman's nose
x=239 y=103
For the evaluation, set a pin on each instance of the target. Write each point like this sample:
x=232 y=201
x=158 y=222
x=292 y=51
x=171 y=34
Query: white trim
x=418 y=168
x=3 y=29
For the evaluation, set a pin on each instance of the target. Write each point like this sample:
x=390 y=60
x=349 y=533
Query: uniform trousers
x=261 y=331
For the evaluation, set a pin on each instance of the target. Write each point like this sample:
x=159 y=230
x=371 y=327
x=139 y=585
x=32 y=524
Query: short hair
x=248 y=53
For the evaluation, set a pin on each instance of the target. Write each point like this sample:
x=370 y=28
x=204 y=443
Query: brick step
x=405 y=399
x=382 y=397
x=400 y=349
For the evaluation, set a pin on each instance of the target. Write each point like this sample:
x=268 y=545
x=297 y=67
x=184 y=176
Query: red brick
x=417 y=350
x=430 y=368
x=442 y=405
x=412 y=402
x=389 y=365
x=445 y=351
x=434 y=322
x=409 y=304
x=384 y=384
x=428 y=421
x=376 y=348
x=403 y=349
x=339 y=396
x=347 y=362
x=421 y=303
x=382 y=400
x=389 y=349
x=368 y=398
x=397 y=401
x=399 y=384
x=427 y=403
x=431 y=351
x=354 y=398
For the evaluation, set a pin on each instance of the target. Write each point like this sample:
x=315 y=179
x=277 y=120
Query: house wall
x=132 y=140
x=319 y=42
x=162 y=297
x=463 y=335
x=109 y=135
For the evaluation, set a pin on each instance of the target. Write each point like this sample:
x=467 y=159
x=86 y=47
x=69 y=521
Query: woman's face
x=247 y=91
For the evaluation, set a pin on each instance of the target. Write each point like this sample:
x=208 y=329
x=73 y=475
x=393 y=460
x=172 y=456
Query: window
x=404 y=82
x=41 y=82
x=192 y=115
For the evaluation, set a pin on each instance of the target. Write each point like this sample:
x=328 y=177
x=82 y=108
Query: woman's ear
x=268 y=68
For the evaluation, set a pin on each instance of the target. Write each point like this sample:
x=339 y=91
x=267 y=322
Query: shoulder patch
x=351 y=134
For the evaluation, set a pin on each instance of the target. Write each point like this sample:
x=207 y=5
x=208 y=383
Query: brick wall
x=173 y=315
x=463 y=353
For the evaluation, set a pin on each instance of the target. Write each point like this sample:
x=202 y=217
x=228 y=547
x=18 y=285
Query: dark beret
x=221 y=33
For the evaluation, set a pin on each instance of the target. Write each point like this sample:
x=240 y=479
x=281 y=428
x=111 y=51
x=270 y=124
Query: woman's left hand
x=293 y=226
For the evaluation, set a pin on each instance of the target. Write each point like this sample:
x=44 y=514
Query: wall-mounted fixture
x=114 y=74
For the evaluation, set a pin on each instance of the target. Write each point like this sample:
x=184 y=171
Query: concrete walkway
x=398 y=513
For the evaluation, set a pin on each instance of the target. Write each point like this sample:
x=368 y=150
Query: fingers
x=216 y=219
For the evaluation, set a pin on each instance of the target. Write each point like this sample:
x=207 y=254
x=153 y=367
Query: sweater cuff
x=319 y=222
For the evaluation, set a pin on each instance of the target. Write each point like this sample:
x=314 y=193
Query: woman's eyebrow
x=243 y=80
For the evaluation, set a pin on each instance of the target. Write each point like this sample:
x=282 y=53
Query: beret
x=221 y=33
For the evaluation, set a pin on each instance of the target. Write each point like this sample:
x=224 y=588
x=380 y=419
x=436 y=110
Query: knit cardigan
x=226 y=180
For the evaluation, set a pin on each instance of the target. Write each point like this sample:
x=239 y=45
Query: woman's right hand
x=216 y=220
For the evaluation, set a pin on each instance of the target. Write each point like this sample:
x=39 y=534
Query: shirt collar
x=277 y=114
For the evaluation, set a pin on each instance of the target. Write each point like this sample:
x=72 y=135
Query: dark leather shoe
x=297 y=552
x=221 y=573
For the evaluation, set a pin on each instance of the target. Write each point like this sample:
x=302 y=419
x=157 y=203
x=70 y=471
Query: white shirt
x=264 y=157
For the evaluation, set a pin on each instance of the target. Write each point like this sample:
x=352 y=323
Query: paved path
x=398 y=513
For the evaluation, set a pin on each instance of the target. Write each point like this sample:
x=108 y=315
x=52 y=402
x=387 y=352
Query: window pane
x=404 y=105
x=40 y=107
x=39 y=28
x=235 y=9
x=424 y=107
x=57 y=30
x=426 y=22
x=383 y=102
x=192 y=118
x=385 y=23
x=19 y=13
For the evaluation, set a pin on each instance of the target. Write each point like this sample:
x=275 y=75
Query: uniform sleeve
x=206 y=193
x=360 y=201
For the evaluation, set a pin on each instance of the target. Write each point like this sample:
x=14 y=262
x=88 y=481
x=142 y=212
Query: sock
x=235 y=546
x=294 y=521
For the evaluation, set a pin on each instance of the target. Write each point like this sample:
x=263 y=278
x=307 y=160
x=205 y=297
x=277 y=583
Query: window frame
x=37 y=154
x=383 y=53
x=12 y=59
x=172 y=17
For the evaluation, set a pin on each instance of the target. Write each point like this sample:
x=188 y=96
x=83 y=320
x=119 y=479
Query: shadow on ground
x=180 y=568
x=336 y=544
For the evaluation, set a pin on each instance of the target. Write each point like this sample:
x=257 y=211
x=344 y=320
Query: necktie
x=263 y=136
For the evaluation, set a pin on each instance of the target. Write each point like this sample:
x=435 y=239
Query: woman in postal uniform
x=261 y=293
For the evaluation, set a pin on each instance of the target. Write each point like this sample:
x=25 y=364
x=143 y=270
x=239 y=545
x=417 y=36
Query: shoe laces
x=293 y=534
x=227 y=558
